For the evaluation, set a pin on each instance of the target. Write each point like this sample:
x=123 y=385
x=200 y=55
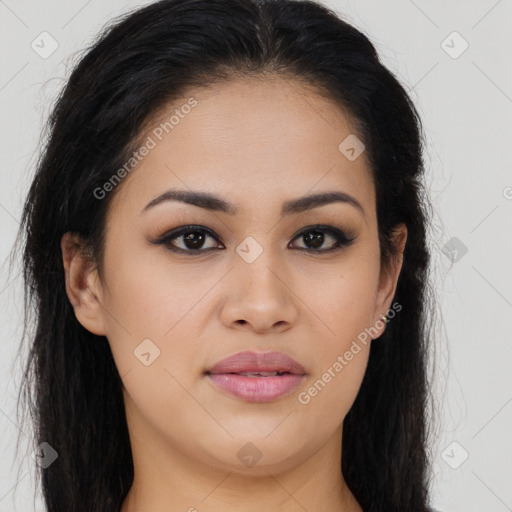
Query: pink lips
x=245 y=375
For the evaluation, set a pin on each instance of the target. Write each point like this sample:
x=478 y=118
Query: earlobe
x=82 y=284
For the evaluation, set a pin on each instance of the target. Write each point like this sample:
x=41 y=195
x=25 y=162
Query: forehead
x=254 y=141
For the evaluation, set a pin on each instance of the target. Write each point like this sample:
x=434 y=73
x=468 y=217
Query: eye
x=314 y=238
x=189 y=239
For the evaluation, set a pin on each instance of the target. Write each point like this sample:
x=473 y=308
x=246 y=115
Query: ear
x=389 y=278
x=83 y=286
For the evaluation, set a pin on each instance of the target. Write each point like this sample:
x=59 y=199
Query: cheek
x=341 y=358
x=148 y=291
x=344 y=308
x=342 y=300
x=143 y=302
x=152 y=333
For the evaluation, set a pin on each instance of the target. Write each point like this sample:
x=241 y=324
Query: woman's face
x=245 y=278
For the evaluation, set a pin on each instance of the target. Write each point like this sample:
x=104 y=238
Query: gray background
x=465 y=100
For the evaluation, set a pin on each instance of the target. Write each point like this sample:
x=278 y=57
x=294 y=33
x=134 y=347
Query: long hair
x=147 y=58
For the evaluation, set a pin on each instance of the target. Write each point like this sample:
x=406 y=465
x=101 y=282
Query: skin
x=255 y=143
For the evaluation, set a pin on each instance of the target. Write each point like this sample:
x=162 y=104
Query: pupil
x=316 y=240
x=191 y=243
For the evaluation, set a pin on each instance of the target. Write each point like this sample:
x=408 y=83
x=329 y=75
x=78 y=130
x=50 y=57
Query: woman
x=225 y=245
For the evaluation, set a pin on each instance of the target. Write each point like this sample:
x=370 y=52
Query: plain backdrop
x=454 y=58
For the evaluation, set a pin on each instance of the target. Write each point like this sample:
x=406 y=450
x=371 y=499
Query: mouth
x=257 y=377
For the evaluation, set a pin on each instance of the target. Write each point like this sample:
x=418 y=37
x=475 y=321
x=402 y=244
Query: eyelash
x=341 y=239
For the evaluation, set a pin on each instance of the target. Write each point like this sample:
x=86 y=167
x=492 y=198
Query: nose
x=260 y=297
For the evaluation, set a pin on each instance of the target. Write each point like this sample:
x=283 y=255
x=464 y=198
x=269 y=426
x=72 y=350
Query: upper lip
x=250 y=361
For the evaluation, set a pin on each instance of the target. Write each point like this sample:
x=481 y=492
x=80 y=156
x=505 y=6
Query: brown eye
x=315 y=237
x=188 y=239
x=193 y=240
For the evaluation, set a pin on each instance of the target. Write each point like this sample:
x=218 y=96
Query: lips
x=257 y=377
x=254 y=363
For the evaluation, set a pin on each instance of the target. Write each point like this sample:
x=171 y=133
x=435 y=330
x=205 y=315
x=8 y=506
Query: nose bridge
x=258 y=265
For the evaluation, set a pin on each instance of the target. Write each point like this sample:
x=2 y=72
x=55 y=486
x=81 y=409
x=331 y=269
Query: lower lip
x=256 y=389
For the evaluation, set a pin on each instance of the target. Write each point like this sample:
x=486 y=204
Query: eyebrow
x=214 y=203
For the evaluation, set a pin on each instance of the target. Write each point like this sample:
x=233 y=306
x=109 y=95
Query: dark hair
x=145 y=60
